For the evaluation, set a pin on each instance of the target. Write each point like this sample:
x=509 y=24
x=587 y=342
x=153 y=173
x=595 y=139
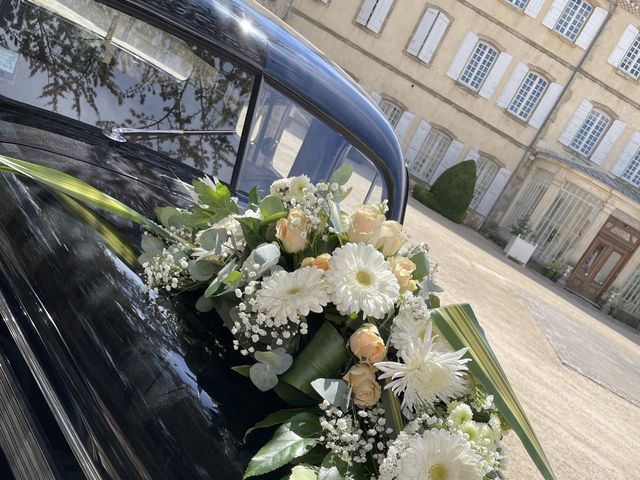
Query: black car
x=98 y=378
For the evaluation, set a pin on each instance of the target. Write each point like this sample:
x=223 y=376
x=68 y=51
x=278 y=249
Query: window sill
x=578 y=156
x=564 y=39
x=515 y=118
x=417 y=59
x=624 y=74
x=466 y=88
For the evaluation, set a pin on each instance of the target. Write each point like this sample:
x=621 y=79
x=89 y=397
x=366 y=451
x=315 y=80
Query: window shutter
x=574 y=123
x=553 y=14
x=434 y=38
x=590 y=30
x=547 y=102
x=380 y=12
x=463 y=54
x=376 y=97
x=621 y=48
x=403 y=125
x=422 y=132
x=513 y=84
x=608 y=142
x=627 y=154
x=421 y=32
x=449 y=158
x=533 y=8
x=472 y=154
x=496 y=73
x=365 y=11
x=493 y=192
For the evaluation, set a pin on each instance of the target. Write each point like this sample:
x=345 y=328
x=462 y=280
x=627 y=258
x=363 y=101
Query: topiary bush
x=452 y=192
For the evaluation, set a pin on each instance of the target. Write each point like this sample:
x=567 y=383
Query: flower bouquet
x=338 y=314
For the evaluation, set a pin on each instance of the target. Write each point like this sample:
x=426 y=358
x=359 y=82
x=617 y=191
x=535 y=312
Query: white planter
x=519 y=249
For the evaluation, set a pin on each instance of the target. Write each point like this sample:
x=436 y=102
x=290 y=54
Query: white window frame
x=528 y=96
x=476 y=69
x=591 y=132
x=632 y=173
x=486 y=171
x=426 y=161
x=391 y=110
x=630 y=63
x=519 y=4
x=567 y=23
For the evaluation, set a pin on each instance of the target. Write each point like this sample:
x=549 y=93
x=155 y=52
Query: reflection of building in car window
x=286 y=140
x=87 y=61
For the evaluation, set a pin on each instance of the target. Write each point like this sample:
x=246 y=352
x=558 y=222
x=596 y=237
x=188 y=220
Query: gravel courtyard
x=576 y=371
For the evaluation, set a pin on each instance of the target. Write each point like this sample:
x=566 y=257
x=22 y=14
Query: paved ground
x=576 y=371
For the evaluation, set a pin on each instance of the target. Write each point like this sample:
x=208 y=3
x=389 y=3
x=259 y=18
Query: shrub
x=452 y=192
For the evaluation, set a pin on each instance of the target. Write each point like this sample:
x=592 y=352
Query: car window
x=287 y=140
x=92 y=63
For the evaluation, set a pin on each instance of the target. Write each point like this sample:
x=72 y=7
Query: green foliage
x=452 y=192
x=522 y=228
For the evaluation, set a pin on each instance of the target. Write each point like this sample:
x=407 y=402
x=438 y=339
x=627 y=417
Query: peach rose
x=367 y=345
x=292 y=231
x=321 y=262
x=365 y=225
x=403 y=268
x=391 y=238
x=364 y=387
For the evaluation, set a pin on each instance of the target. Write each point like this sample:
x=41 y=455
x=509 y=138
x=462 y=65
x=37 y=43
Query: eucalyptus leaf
x=263 y=376
x=291 y=440
x=201 y=270
x=217 y=282
x=233 y=278
x=274 y=418
x=271 y=205
x=213 y=238
x=266 y=256
x=303 y=472
x=421 y=262
x=168 y=216
x=152 y=245
x=278 y=360
x=459 y=325
x=204 y=304
x=428 y=286
x=342 y=174
x=334 y=391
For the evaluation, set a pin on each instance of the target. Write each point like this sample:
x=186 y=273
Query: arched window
x=632 y=172
x=392 y=111
x=573 y=18
x=528 y=95
x=478 y=66
x=430 y=154
x=486 y=170
x=590 y=132
x=630 y=63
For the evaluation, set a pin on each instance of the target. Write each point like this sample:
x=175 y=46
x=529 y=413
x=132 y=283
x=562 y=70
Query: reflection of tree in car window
x=89 y=62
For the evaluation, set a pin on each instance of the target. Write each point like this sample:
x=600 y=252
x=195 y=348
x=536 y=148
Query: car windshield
x=89 y=62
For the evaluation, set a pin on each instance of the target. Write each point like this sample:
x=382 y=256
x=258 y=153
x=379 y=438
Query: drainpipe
x=536 y=137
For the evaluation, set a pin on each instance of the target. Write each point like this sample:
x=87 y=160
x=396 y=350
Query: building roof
x=612 y=181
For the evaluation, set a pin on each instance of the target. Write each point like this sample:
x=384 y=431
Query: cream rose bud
x=365 y=225
x=403 y=268
x=321 y=262
x=364 y=387
x=292 y=231
x=391 y=238
x=367 y=345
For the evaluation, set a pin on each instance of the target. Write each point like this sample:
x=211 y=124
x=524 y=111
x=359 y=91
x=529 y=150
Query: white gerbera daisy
x=285 y=296
x=362 y=281
x=427 y=374
x=439 y=455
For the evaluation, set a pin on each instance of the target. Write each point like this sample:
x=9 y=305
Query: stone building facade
x=543 y=94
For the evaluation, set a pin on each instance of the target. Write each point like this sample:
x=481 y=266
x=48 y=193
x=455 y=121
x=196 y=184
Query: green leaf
x=169 y=216
x=254 y=198
x=217 y=282
x=201 y=270
x=334 y=391
x=251 y=231
x=291 y=440
x=242 y=370
x=274 y=418
x=263 y=377
x=204 y=304
x=271 y=205
x=152 y=245
x=392 y=410
x=79 y=190
x=277 y=360
x=342 y=174
x=303 y=472
x=233 y=278
x=332 y=468
x=215 y=200
x=323 y=357
x=213 y=238
x=460 y=327
x=266 y=256
x=421 y=262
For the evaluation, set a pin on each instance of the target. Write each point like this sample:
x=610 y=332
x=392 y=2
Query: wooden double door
x=603 y=260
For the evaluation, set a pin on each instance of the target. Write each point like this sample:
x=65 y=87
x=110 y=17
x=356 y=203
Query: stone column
x=590 y=233
x=545 y=202
x=629 y=269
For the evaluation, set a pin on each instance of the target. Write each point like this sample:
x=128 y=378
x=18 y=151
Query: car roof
x=288 y=60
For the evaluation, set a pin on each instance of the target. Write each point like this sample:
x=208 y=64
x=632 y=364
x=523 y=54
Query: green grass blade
x=460 y=327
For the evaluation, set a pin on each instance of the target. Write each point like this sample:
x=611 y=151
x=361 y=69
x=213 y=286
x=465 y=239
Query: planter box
x=519 y=249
